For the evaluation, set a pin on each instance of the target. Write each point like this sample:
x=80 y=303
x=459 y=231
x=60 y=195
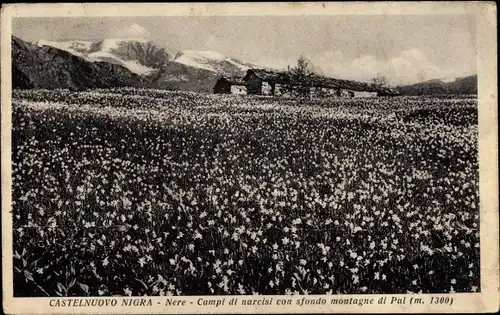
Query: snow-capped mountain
x=143 y=64
x=211 y=61
x=76 y=47
x=144 y=57
x=138 y=55
x=48 y=67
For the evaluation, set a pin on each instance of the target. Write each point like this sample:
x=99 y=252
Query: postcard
x=204 y=158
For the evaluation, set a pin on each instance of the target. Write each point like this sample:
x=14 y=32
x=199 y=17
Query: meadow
x=149 y=192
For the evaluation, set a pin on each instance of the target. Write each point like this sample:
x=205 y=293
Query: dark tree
x=380 y=82
x=300 y=77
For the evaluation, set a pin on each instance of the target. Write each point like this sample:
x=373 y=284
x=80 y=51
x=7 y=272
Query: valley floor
x=134 y=192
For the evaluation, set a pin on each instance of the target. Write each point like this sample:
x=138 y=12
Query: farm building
x=280 y=90
x=355 y=89
x=320 y=91
x=266 y=82
x=230 y=85
x=324 y=86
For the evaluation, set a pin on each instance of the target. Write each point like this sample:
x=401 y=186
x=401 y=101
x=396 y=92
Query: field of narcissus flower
x=148 y=192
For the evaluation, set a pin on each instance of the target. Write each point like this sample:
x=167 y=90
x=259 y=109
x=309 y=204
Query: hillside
x=465 y=85
x=177 y=76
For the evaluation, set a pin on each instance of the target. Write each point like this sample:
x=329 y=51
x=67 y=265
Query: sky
x=404 y=48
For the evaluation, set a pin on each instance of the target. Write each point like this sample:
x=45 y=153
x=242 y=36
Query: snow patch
x=137 y=68
x=186 y=60
x=242 y=67
x=114 y=43
x=77 y=48
x=203 y=54
x=448 y=80
x=109 y=44
x=207 y=60
x=132 y=65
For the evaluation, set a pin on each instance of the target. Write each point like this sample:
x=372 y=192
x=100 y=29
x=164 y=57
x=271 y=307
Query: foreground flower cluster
x=144 y=192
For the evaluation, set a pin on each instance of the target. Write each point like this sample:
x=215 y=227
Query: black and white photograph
x=244 y=156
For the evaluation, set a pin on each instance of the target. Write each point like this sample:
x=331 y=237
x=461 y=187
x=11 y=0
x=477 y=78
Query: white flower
x=142 y=261
x=197 y=235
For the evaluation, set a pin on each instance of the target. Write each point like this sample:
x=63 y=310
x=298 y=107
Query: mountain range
x=117 y=62
x=49 y=67
x=135 y=62
x=463 y=85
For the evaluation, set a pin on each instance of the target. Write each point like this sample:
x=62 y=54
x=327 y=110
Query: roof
x=389 y=91
x=323 y=81
x=341 y=84
x=316 y=80
x=234 y=80
x=270 y=75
